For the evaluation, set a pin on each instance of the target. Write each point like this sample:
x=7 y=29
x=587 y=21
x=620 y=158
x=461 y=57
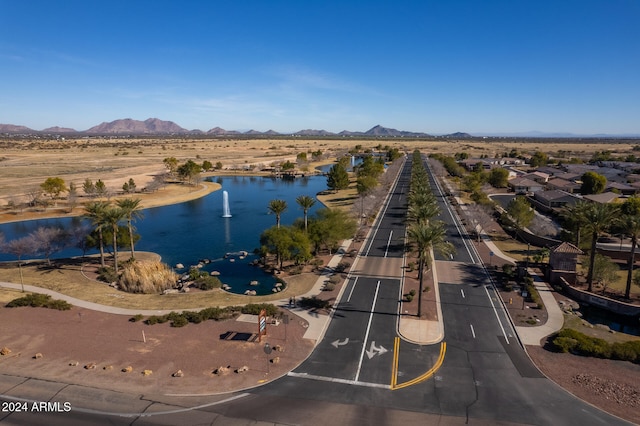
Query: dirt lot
x=113 y=343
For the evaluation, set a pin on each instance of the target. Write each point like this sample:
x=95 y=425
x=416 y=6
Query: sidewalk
x=555 y=317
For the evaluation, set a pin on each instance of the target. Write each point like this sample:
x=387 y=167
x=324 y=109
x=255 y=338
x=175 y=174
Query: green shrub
x=61 y=305
x=108 y=275
x=583 y=345
x=329 y=286
x=255 y=308
x=408 y=297
x=208 y=282
x=179 y=320
x=136 y=318
x=627 y=351
x=565 y=344
x=314 y=303
x=412 y=292
x=194 y=317
x=37 y=300
x=153 y=319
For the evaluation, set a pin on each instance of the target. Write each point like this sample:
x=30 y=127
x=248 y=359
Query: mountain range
x=154 y=126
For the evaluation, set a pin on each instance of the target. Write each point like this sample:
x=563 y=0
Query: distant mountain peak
x=130 y=126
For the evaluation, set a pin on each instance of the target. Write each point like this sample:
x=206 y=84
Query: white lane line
x=388 y=243
x=366 y=336
x=497 y=316
x=337 y=380
x=473 y=333
x=462 y=291
x=352 y=288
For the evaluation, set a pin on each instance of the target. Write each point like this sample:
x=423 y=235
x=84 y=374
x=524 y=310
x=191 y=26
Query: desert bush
x=626 y=351
x=37 y=300
x=136 y=318
x=329 y=286
x=408 y=297
x=342 y=266
x=108 y=275
x=194 y=317
x=314 y=303
x=179 y=321
x=569 y=340
x=412 y=292
x=147 y=277
x=208 y=282
x=255 y=308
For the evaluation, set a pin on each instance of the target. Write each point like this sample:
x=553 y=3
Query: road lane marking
x=421 y=378
x=337 y=380
x=388 y=243
x=352 y=288
x=337 y=342
x=462 y=291
x=473 y=333
x=376 y=350
x=366 y=336
x=495 y=311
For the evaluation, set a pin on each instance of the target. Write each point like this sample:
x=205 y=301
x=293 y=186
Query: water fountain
x=226 y=212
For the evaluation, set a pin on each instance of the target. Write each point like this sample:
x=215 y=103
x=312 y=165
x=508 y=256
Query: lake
x=195 y=230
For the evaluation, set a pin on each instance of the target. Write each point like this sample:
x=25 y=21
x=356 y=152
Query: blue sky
x=427 y=66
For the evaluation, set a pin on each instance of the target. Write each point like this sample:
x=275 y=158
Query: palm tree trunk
x=420 y=279
x=592 y=261
x=115 y=249
x=131 y=239
x=101 y=247
x=632 y=261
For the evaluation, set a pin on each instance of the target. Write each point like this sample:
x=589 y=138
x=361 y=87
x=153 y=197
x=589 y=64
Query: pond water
x=195 y=230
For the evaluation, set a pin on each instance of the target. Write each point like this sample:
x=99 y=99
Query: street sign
x=262 y=324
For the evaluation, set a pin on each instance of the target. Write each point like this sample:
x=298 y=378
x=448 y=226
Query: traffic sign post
x=262 y=324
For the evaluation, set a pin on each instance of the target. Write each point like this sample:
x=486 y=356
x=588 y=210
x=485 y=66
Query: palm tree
x=112 y=218
x=425 y=238
x=631 y=226
x=574 y=215
x=598 y=219
x=305 y=202
x=95 y=212
x=277 y=207
x=131 y=209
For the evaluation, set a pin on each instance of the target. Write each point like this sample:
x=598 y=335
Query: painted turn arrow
x=340 y=343
x=375 y=350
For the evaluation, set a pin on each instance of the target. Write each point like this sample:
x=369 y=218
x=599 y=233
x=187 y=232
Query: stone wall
x=602 y=302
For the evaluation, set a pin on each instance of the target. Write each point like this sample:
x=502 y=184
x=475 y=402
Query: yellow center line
x=419 y=379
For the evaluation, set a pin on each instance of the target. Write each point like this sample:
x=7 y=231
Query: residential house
x=523 y=185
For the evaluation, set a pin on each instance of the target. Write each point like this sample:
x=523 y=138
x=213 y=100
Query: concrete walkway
x=555 y=317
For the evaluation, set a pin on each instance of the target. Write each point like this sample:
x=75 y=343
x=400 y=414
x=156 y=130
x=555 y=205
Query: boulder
x=179 y=266
x=90 y=366
x=275 y=360
x=278 y=348
x=37 y=356
x=108 y=367
x=128 y=369
x=147 y=372
x=221 y=371
x=5 y=351
x=170 y=291
x=242 y=369
x=74 y=363
x=215 y=273
x=178 y=373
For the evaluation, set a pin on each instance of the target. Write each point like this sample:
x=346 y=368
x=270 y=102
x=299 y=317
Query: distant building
x=554 y=199
x=563 y=261
x=604 y=198
x=522 y=185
